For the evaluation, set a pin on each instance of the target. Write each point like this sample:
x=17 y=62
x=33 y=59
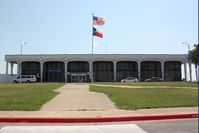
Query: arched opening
x=172 y=71
x=31 y=68
x=78 y=71
x=54 y=71
x=102 y=71
x=126 y=69
x=150 y=69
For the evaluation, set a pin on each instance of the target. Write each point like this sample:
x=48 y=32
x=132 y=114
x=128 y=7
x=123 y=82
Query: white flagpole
x=92 y=33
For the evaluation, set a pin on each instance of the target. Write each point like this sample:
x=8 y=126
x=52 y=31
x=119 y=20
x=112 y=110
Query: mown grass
x=26 y=96
x=171 y=84
x=143 y=98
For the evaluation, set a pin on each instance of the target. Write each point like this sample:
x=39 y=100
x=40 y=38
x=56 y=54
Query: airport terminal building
x=98 y=67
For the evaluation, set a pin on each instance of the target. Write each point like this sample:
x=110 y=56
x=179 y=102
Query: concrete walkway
x=126 y=86
x=77 y=97
x=114 y=112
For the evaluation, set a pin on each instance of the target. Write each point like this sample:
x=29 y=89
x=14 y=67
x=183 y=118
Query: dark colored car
x=154 y=79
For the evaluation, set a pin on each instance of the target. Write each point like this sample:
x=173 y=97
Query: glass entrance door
x=78 y=78
x=82 y=78
x=74 y=79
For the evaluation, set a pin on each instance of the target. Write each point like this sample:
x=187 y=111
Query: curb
x=96 y=119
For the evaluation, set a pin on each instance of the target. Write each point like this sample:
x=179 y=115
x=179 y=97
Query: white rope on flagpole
x=92 y=32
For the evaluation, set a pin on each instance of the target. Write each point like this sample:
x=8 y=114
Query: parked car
x=130 y=79
x=25 y=79
x=154 y=79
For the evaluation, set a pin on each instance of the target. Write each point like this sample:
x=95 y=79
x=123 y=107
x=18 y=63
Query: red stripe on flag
x=98 y=34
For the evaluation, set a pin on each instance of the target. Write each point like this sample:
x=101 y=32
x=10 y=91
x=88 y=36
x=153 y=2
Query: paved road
x=183 y=126
x=186 y=126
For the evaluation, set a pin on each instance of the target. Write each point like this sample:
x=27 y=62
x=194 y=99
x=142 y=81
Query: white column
x=41 y=71
x=11 y=67
x=91 y=70
x=190 y=71
x=21 y=67
x=185 y=71
x=139 y=71
x=66 y=71
x=6 y=67
x=162 y=69
x=18 y=68
x=114 y=71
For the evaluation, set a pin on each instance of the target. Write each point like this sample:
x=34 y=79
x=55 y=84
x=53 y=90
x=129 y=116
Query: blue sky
x=64 y=26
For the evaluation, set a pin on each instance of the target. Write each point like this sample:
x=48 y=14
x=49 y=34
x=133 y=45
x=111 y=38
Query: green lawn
x=173 y=84
x=26 y=96
x=142 y=98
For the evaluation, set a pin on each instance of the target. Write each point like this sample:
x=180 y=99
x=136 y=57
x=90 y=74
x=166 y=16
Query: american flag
x=98 y=21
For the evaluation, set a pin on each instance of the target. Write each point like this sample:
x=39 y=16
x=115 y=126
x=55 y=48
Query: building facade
x=98 y=67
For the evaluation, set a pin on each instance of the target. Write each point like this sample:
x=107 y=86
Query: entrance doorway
x=78 y=78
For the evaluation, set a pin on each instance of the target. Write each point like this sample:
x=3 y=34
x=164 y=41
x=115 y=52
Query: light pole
x=24 y=43
x=187 y=45
x=190 y=71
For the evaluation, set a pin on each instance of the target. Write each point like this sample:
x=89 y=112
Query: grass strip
x=145 y=98
x=27 y=97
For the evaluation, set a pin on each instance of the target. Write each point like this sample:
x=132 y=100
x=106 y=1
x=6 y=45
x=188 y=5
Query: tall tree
x=193 y=56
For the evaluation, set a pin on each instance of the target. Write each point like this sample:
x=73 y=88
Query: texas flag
x=98 y=21
x=97 y=33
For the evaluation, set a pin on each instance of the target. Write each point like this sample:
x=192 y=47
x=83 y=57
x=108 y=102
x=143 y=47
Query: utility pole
x=24 y=43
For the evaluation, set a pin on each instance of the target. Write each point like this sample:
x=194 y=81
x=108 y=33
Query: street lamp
x=187 y=45
x=24 y=43
x=188 y=61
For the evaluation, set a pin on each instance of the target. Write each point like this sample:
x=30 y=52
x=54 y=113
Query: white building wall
x=7 y=78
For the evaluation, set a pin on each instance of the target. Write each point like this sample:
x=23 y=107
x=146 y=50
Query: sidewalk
x=126 y=86
x=77 y=97
x=107 y=113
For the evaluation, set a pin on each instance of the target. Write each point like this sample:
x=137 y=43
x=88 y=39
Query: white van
x=25 y=79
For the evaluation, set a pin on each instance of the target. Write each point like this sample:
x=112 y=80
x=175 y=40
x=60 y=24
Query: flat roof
x=63 y=57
